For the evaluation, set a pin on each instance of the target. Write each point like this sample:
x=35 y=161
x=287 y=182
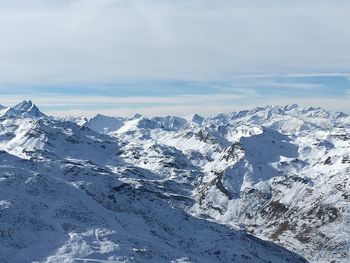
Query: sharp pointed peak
x=25 y=104
x=25 y=108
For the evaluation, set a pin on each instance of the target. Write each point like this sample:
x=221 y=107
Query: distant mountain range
x=269 y=184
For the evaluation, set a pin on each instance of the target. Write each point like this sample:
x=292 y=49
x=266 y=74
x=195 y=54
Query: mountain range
x=269 y=184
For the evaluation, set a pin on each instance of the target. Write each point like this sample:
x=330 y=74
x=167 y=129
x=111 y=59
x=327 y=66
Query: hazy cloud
x=103 y=41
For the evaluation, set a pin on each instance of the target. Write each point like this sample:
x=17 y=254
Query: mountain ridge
x=279 y=173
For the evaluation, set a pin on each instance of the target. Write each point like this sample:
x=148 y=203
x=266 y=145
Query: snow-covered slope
x=104 y=124
x=71 y=194
x=281 y=173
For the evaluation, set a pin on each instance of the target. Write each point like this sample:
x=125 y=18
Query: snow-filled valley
x=270 y=184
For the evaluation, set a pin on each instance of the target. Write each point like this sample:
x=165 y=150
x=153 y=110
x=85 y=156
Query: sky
x=167 y=57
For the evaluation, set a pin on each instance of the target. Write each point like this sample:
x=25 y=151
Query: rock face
x=170 y=189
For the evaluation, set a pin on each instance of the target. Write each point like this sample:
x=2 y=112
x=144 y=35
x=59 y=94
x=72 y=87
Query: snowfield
x=270 y=184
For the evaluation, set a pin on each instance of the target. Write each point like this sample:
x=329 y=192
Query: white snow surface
x=270 y=184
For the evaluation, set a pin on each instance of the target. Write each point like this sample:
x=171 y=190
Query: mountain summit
x=25 y=108
x=28 y=108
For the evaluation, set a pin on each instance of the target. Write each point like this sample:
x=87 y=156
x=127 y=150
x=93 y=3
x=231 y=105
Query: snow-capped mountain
x=171 y=189
x=24 y=109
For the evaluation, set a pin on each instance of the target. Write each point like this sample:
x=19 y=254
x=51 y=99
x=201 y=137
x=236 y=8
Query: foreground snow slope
x=70 y=194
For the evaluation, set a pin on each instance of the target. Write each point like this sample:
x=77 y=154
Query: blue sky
x=118 y=57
